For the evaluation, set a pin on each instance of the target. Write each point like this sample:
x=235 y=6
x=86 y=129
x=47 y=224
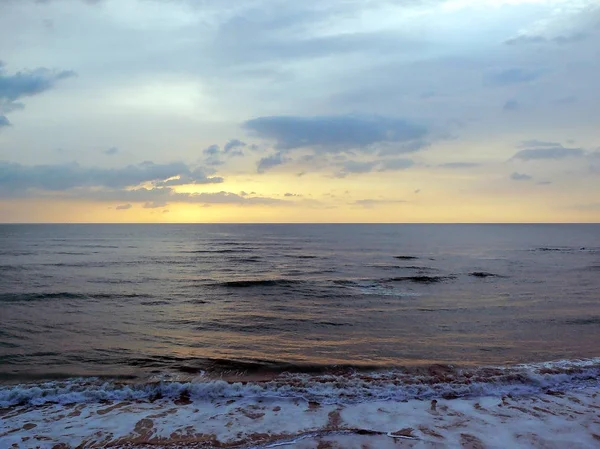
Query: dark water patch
x=302 y=256
x=72 y=253
x=484 y=274
x=557 y=249
x=583 y=321
x=16 y=253
x=158 y=302
x=420 y=279
x=406 y=257
x=26 y=297
x=331 y=323
x=253 y=259
x=260 y=283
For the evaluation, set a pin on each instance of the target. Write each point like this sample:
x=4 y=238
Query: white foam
x=526 y=379
x=568 y=420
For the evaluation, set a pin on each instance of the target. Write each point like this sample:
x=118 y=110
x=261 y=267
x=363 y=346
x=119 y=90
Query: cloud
x=513 y=76
x=124 y=206
x=333 y=134
x=357 y=167
x=212 y=150
x=26 y=84
x=292 y=194
x=111 y=151
x=409 y=147
x=520 y=177
x=548 y=153
x=354 y=167
x=17 y=177
x=538 y=143
x=458 y=165
x=395 y=164
x=4 y=122
x=267 y=163
x=233 y=144
x=160 y=197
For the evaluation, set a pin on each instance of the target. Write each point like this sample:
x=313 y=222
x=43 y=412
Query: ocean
x=339 y=315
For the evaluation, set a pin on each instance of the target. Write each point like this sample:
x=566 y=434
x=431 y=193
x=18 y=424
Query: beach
x=558 y=420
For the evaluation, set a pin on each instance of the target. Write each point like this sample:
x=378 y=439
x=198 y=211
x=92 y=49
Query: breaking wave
x=436 y=381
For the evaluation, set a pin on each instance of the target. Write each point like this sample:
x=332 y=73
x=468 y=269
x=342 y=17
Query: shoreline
x=556 y=419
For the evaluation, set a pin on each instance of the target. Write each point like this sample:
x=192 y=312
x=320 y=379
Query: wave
x=484 y=274
x=13 y=268
x=406 y=257
x=420 y=279
x=252 y=259
x=565 y=249
x=24 y=297
x=437 y=381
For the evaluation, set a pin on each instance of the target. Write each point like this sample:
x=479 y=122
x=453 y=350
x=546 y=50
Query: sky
x=311 y=111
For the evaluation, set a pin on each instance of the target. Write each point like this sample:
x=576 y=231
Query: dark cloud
x=458 y=165
x=267 y=163
x=29 y=83
x=25 y=84
x=212 y=150
x=513 y=76
x=17 y=177
x=355 y=167
x=124 y=206
x=548 y=153
x=358 y=167
x=331 y=134
x=233 y=144
x=520 y=177
x=4 y=121
x=110 y=151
